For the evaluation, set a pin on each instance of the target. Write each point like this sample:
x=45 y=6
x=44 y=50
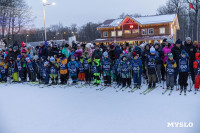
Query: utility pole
x=197 y=20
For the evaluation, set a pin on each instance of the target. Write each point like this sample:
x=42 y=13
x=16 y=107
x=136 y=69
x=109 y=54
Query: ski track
x=30 y=109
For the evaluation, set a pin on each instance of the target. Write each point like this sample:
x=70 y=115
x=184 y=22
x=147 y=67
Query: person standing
x=191 y=50
x=176 y=51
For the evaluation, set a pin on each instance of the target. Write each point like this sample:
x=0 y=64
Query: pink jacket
x=166 y=50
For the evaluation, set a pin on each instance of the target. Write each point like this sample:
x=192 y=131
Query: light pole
x=44 y=5
x=27 y=38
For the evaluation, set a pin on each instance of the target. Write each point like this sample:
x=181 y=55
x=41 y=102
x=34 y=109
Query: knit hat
x=188 y=39
x=52 y=59
x=73 y=57
x=23 y=44
x=19 y=56
x=165 y=40
x=35 y=57
x=105 y=54
x=183 y=52
x=134 y=54
x=195 y=43
x=156 y=42
x=23 y=50
x=170 y=55
x=152 y=50
x=46 y=63
x=27 y=59
x=11 y=47
x=15 y=48
x=136 y=48
x=112 y=46
x=178 y=41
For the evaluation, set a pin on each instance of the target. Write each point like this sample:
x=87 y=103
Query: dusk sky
x=83 y=11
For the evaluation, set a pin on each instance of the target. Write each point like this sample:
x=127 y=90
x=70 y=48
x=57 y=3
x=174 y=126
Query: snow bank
x=28 y=109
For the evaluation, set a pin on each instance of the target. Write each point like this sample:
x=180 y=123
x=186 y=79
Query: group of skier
x=100 y=65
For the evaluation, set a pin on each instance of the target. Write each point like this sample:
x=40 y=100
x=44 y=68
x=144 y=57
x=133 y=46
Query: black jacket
x=191 y=50
x=177 y=53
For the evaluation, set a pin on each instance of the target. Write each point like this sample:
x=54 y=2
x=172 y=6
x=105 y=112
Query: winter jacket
x=177 y=52
x=118 y=51
x=191 y=50
x=73 y=67
x=166 y=50
x=54 y=68
x=106 y=64
x=137 y=66
x=54 y=51
x=66 y=52
x=151 y=62
x=43 y=51
x=170 y=67
x=63 y=66
x=97 y=54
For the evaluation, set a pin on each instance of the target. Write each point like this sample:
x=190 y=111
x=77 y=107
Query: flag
x=191 y=6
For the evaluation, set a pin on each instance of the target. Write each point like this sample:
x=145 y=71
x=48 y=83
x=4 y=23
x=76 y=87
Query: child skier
x=20 y=68
x=53 y=71
x=116 y=68
x=13 y=70
x=151 y=68
x=45 y=72
x=63 y=69
x=196 y=66
x=86 y=66
x=183 y=71
x=31 y=70
x=3 y=69
x=97 y=70
x=106 y=67
x=81 y=74
x=170 y=66
x=73 y=67
x=137 y=70
x=125 y=70
x=37 y=67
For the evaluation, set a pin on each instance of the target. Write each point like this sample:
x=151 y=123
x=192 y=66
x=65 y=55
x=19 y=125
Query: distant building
x=138 y=30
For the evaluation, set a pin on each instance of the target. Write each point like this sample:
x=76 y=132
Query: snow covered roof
x=156 y=19
x=112 y=23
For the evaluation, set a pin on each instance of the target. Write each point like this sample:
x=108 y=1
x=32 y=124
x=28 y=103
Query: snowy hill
x=30 y=109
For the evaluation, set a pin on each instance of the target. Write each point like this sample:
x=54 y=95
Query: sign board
x=71 y=40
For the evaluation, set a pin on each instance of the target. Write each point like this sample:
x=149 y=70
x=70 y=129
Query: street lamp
x=27 y=38
x=44 y=5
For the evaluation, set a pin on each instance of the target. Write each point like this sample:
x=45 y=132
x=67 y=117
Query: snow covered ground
x=30 y=109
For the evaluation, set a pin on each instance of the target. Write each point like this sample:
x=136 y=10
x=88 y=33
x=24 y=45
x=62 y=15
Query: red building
x=138 y=30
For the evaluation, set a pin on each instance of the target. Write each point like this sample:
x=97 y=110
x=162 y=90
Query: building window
x=144 y=31
x=119 y=33
x=105 y=34
x=135 y=31
x=162 y=30
x=150 y=31
x=127 y=31
x=113 y=33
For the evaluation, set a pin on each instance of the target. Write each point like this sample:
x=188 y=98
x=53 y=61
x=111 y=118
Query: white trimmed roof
x=116 y=22
x=156 y=19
